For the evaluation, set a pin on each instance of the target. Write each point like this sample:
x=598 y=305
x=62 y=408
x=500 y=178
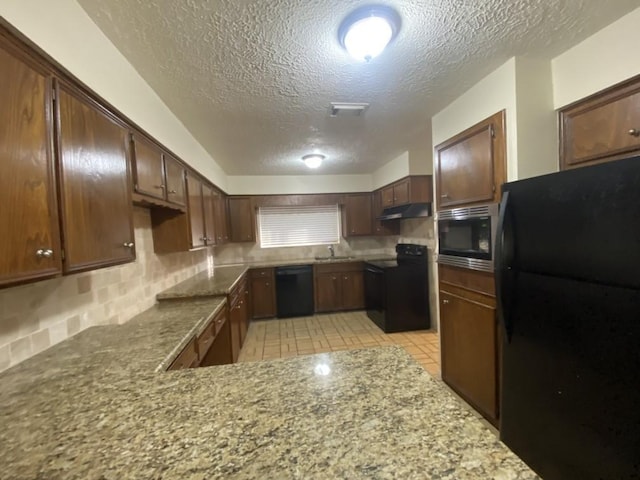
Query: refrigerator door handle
x=503 y=267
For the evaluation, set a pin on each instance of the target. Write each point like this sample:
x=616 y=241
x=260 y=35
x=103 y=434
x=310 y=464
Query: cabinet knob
x=203 y=239
x=333 y=278
x=444 y=195
x=160 y=187
x=634 y=132
x=44 y=253
x=172 y=192
x=128 y=244
x=267 y=284
x=445 y=301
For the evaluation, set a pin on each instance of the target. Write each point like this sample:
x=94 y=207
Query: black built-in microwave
x=466 y=236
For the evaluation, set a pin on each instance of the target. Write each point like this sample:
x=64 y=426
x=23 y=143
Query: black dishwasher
x=294 y=291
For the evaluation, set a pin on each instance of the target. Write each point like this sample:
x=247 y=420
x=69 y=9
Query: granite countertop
x=221 y=280
x=93 y=407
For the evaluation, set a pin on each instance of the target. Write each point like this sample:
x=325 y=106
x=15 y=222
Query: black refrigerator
x=568 y=294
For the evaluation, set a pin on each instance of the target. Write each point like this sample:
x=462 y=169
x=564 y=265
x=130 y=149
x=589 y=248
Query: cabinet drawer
x=481 y=282
x=219 y=319
x=261 y=273
x=187 y=358
x=206 y=338
x=338 y=267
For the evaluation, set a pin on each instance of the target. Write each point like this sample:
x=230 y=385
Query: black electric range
x=397 y=291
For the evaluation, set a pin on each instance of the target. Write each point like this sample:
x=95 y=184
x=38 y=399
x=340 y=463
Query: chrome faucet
x=333 y=254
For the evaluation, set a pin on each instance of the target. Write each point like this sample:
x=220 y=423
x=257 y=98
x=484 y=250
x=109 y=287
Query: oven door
x=375 y=293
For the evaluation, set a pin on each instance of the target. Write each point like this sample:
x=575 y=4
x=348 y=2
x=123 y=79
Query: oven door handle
x=374 y=270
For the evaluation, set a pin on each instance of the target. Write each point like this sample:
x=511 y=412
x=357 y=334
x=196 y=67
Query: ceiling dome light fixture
x=368 y=30
x=313 y=160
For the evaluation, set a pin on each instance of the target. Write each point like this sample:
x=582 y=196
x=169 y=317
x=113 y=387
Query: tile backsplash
x=35 y=316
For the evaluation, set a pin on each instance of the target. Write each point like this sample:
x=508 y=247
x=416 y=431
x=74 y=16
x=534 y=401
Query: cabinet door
x=30 y=240
x=235 y=318
x=328 y=286
x=263 y=297
x=196 y=211
x=148 y=174
x=242 y=219
x=221 y=218
x=387 y=196
x=357 y=215
x=352 y=290
x=95 y=185
x=388 y=227
x=209 y=215
x=471 y=166
x=174 y=176
x=401 y=192
x=469 y=356
x=602 y=128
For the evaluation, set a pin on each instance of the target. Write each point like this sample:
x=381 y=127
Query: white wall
x=604 y=59
x=390 y=172
x=537 y=143
x=292 y=184
x=495 y=92
x=63 y=30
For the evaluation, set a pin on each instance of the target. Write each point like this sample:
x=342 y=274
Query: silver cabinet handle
x=444 y=195
x=44 y=253
x=634 y=132
x=128 y=244
x=445 y=301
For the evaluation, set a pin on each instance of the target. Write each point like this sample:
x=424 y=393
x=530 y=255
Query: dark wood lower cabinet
x=238 y=316
x=219 y=352
x=469 y=339
x=339 y=286
x=263 y=293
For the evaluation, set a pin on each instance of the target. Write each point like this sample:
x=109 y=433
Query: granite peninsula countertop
x=93 y=408
x=221 y=279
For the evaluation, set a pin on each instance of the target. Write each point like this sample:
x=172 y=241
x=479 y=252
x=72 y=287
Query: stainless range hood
x=412 y=210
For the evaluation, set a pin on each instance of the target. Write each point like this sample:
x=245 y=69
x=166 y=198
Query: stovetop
x=383 y=263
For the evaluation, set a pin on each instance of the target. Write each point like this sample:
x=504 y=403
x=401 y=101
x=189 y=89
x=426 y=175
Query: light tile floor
x=281 y=338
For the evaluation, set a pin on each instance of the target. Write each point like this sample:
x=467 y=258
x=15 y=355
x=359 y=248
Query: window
x=298 y=226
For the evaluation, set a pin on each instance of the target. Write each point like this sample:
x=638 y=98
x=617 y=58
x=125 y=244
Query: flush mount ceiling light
x=313 y=160
x=368 y=30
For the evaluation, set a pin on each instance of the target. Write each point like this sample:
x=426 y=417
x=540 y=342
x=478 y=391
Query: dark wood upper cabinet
x=242 y=219
x=412 y=189
x=470 y=167
x=174 y=180
x=602 y=127
x=357 y=215
x=221 y=217
x=196 y=211
x=95 y=184
x=148 y=170
x=30 y=240
x=388 y=227
x=209 y=214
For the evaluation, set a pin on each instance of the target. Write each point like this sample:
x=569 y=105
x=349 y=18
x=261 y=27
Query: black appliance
x=397 y=291
x=294 y=291
x=568 y=294
x=466 y=237
x=411 y=210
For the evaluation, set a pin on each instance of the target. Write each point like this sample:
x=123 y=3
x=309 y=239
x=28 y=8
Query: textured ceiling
x=253 y=79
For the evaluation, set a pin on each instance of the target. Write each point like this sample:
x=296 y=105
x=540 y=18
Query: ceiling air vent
x=348 y=109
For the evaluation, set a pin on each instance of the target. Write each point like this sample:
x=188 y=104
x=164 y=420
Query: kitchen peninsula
x=100 y=405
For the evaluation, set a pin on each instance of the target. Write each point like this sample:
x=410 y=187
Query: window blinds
x=298 y=226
